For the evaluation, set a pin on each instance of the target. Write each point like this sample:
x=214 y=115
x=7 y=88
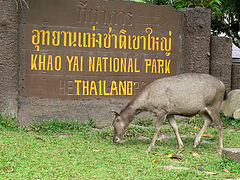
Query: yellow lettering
x=122 y=88
x=79 y=39
x=130 y=65
x=116 y=64
x=33 y=61
x=91 y=64
x=58 y=63
x=41 y=62
x=100 y=87
x=50 y=63
x=85 y=87
x=44 y=33
x=147 y=64
x=135 y=67
x=110 y=64
x=99 y=64
x=167 y=63
x=129 y=88
x=78 y=82
x=36 y=39
x=75 y=64
x=81 y=63
x=70 y=63
x=105 y=63
x=93 y=87
x=64 y=38
x=154 y=66
x=160 y=65
x=114 y=88
x=123 y=64
x=105 y=88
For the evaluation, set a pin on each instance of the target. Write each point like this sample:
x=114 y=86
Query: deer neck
x=127 y=115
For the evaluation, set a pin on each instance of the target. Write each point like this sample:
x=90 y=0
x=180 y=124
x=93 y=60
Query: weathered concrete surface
x=221 y=59
x=231 y=106
x=99 y=110
x=232 y=153
x=236 y=75
x=9 y=57
x=196 y=30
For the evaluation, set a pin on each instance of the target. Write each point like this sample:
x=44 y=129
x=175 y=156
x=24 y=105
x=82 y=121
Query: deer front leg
x=160 y=119
x=175 y=129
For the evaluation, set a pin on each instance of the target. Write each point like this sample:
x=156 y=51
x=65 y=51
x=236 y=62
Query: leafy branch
x=225 y=14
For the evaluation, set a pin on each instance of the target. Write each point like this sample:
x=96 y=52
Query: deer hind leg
x=207 y=121
x=160 y=118
x=173 y=123
x=218 y=123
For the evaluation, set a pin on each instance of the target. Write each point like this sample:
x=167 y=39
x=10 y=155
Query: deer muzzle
x=116 y=139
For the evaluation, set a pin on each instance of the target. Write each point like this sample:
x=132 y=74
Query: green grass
x=144 y=122
x=39 y=152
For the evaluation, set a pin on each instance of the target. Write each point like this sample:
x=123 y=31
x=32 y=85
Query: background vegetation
x=225 y=14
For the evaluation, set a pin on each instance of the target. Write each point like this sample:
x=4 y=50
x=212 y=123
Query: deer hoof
x=220 y=153
x=180 y=151
x=149 y=150
x=195 y=147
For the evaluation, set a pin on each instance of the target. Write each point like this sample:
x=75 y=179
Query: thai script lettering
x=103 y=16
x=122 y=40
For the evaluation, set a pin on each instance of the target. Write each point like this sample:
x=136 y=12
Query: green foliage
x=230 y=122
x=214 y=5
x=227 y=122
x=225 y=14
x=9 y=123
x=195 y=120
x=144 y=122
x=229 y=164
x=106 y=134
x=158 y=2
x=229 y=22
x=56 y=126
x=133 y=131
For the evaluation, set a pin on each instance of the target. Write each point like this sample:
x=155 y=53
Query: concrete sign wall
x=92 y=49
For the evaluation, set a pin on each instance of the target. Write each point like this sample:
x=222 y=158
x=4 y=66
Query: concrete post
x=221 y=59
x=9 y=57
x=236 y=75
x=196 y=30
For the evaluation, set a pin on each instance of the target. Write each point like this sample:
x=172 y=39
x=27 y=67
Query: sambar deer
x=186 y=94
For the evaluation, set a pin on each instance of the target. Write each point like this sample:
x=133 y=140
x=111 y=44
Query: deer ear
x=116 y=114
